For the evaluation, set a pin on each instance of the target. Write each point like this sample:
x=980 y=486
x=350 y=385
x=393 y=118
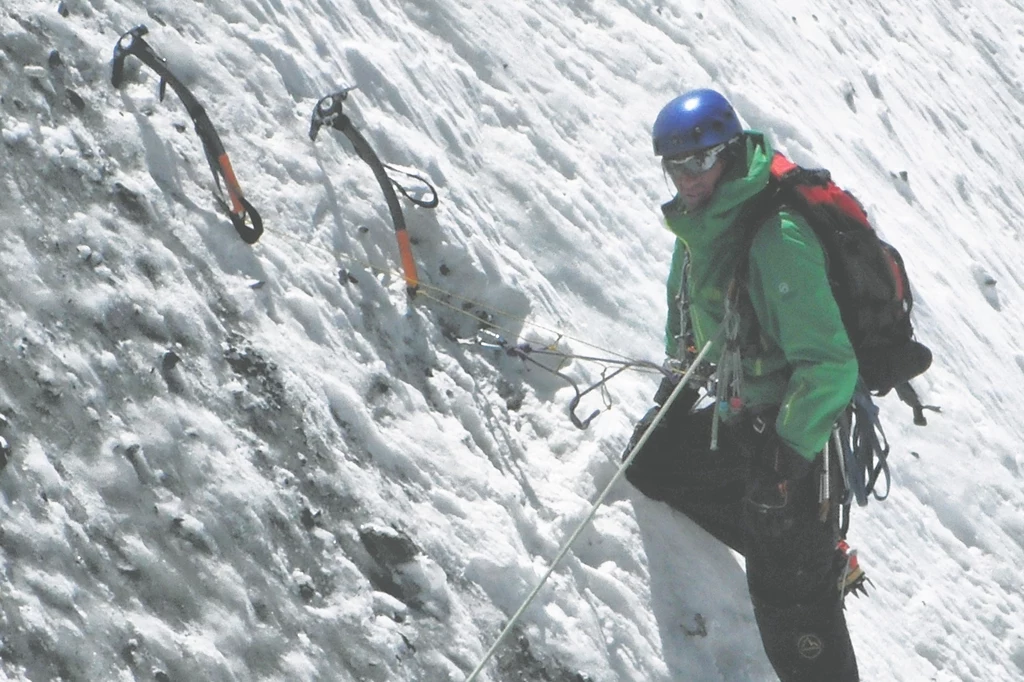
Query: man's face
x=696 y=176
x=696 y=190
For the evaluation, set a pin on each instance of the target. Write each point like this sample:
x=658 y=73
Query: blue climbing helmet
x=694 y=121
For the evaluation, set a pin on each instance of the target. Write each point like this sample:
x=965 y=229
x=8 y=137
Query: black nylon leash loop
x=249 y=235
x=428 y=203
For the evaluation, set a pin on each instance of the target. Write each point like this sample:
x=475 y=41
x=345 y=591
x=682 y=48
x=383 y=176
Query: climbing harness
x=132 y=43
x=328 y=112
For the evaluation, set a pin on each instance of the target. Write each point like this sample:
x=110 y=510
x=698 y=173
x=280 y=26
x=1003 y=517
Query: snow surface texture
x=264 y=463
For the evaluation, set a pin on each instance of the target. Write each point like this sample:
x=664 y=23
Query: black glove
x=665 y=388
x=639 y=430
x=777 y=473
x=683 y=403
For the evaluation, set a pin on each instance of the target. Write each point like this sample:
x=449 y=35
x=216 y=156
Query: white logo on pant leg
x=809 y=646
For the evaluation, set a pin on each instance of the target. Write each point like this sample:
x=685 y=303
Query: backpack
x=868 y=277
x=872 y=290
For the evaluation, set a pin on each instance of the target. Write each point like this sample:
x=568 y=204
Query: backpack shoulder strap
x=793 y=187
x=759 y=209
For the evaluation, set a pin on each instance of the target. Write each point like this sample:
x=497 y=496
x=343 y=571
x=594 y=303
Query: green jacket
x=798 y=356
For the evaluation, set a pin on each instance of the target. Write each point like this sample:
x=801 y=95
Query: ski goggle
x=695 y=164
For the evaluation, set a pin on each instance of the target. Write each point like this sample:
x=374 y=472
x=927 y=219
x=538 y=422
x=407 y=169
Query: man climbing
x=749 y=468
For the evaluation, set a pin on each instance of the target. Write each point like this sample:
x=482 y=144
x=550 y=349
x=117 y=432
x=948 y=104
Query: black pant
x=793 y=577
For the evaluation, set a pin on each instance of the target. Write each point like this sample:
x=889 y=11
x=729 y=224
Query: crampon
x=852 y=579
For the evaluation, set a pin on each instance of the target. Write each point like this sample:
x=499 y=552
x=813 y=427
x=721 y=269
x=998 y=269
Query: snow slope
x=266 y=463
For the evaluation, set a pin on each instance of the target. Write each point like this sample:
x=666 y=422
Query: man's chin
x=693 y=203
